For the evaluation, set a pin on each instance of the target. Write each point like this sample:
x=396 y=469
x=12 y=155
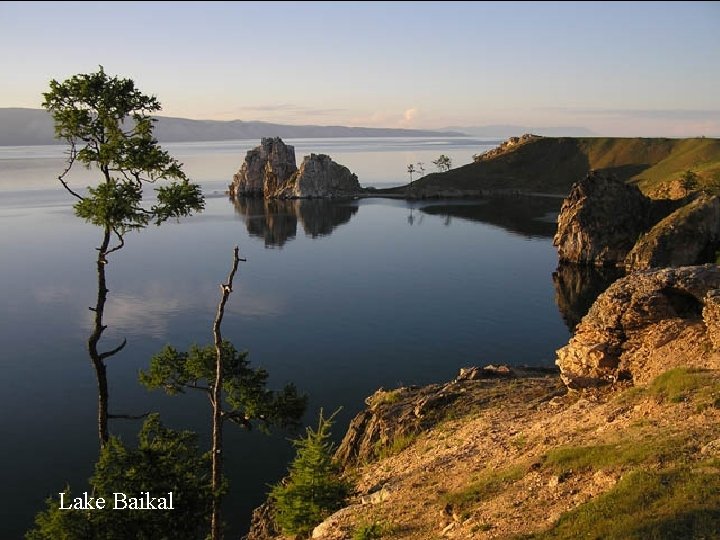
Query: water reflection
x=529 y=216
x=276 y=221
x=577 y=287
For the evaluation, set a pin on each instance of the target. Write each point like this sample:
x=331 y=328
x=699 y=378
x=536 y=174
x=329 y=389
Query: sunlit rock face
x=690 y=235
x=645 y=324
x=269 y=171
x=266 y=168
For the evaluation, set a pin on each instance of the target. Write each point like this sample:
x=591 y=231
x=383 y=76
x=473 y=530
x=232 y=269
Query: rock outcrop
x=265 y=169
x=601 y=220
x=645 y=324
x=606 y=222
x=690 y=235
x=403 y=413
x=269 y=171
x=319 y=176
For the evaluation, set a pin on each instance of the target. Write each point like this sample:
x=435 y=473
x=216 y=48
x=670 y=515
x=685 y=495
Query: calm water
x=339 y=298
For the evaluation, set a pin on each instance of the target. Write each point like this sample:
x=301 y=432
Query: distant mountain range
x=21 y=127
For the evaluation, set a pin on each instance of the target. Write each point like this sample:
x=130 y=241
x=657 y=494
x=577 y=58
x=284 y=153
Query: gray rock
x=319 y=176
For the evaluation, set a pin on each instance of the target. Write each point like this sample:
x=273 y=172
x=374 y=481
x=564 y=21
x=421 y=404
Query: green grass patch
x=688 y=384
x=370 y=531
x=677 y=503
x=486 y=486
x=632 y=452
x=395 y=446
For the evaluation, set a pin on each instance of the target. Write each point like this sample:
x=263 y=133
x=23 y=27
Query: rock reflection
x=578 y=286
x=276 y=220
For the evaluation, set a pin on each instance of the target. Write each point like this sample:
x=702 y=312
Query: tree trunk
x=226 y=288
x=95 y=357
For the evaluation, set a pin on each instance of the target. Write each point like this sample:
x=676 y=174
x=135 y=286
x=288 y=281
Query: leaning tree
x=108 y=127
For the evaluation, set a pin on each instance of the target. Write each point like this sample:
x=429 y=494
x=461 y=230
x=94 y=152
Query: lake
x=338 y=297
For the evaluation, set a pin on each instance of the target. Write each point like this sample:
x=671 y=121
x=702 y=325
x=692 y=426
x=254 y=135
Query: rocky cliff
x=270 y=171
x=606 y=222
x=644 y=324
x=602 y=218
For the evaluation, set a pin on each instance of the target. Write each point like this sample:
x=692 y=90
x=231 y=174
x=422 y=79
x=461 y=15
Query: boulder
x=645 y=324
x=319 y=176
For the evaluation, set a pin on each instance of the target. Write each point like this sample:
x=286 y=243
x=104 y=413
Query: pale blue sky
x=646 y=68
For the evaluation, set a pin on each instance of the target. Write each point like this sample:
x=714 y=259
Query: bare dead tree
x=216 y=399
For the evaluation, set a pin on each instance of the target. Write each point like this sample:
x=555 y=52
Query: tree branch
x=113 y=352
x=128 y=416
x=71 y=161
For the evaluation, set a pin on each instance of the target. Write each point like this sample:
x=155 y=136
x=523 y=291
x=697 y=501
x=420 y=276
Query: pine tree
x=313 y=488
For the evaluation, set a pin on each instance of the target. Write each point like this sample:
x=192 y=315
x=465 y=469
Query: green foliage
x=369 y=531
x=244 y=387
x=107 y=123
x=678 y=503
x=164 y=461
x=313 y=489
x=689 y=181
x=488 y=485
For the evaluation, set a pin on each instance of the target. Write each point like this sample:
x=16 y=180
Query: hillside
x=552 y=164
x=25 y=127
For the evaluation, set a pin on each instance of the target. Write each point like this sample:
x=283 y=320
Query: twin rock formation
x=270 y=171
x=606 y=222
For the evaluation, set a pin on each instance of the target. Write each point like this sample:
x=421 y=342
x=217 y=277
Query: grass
x=486 y=486
x=396 y=445
x=682 y=384
x=370 y=531
x=676 y=503
x=632 y=452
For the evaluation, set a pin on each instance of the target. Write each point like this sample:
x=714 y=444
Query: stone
x=606 y=222
x=600 y=221
x=266 y=168
x=319 y=176
x=643 y=325
x=690 y=235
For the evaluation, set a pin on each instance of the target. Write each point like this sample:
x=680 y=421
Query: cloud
x=408 y=117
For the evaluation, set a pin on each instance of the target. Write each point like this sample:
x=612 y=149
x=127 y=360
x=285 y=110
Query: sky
x=615 y=68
